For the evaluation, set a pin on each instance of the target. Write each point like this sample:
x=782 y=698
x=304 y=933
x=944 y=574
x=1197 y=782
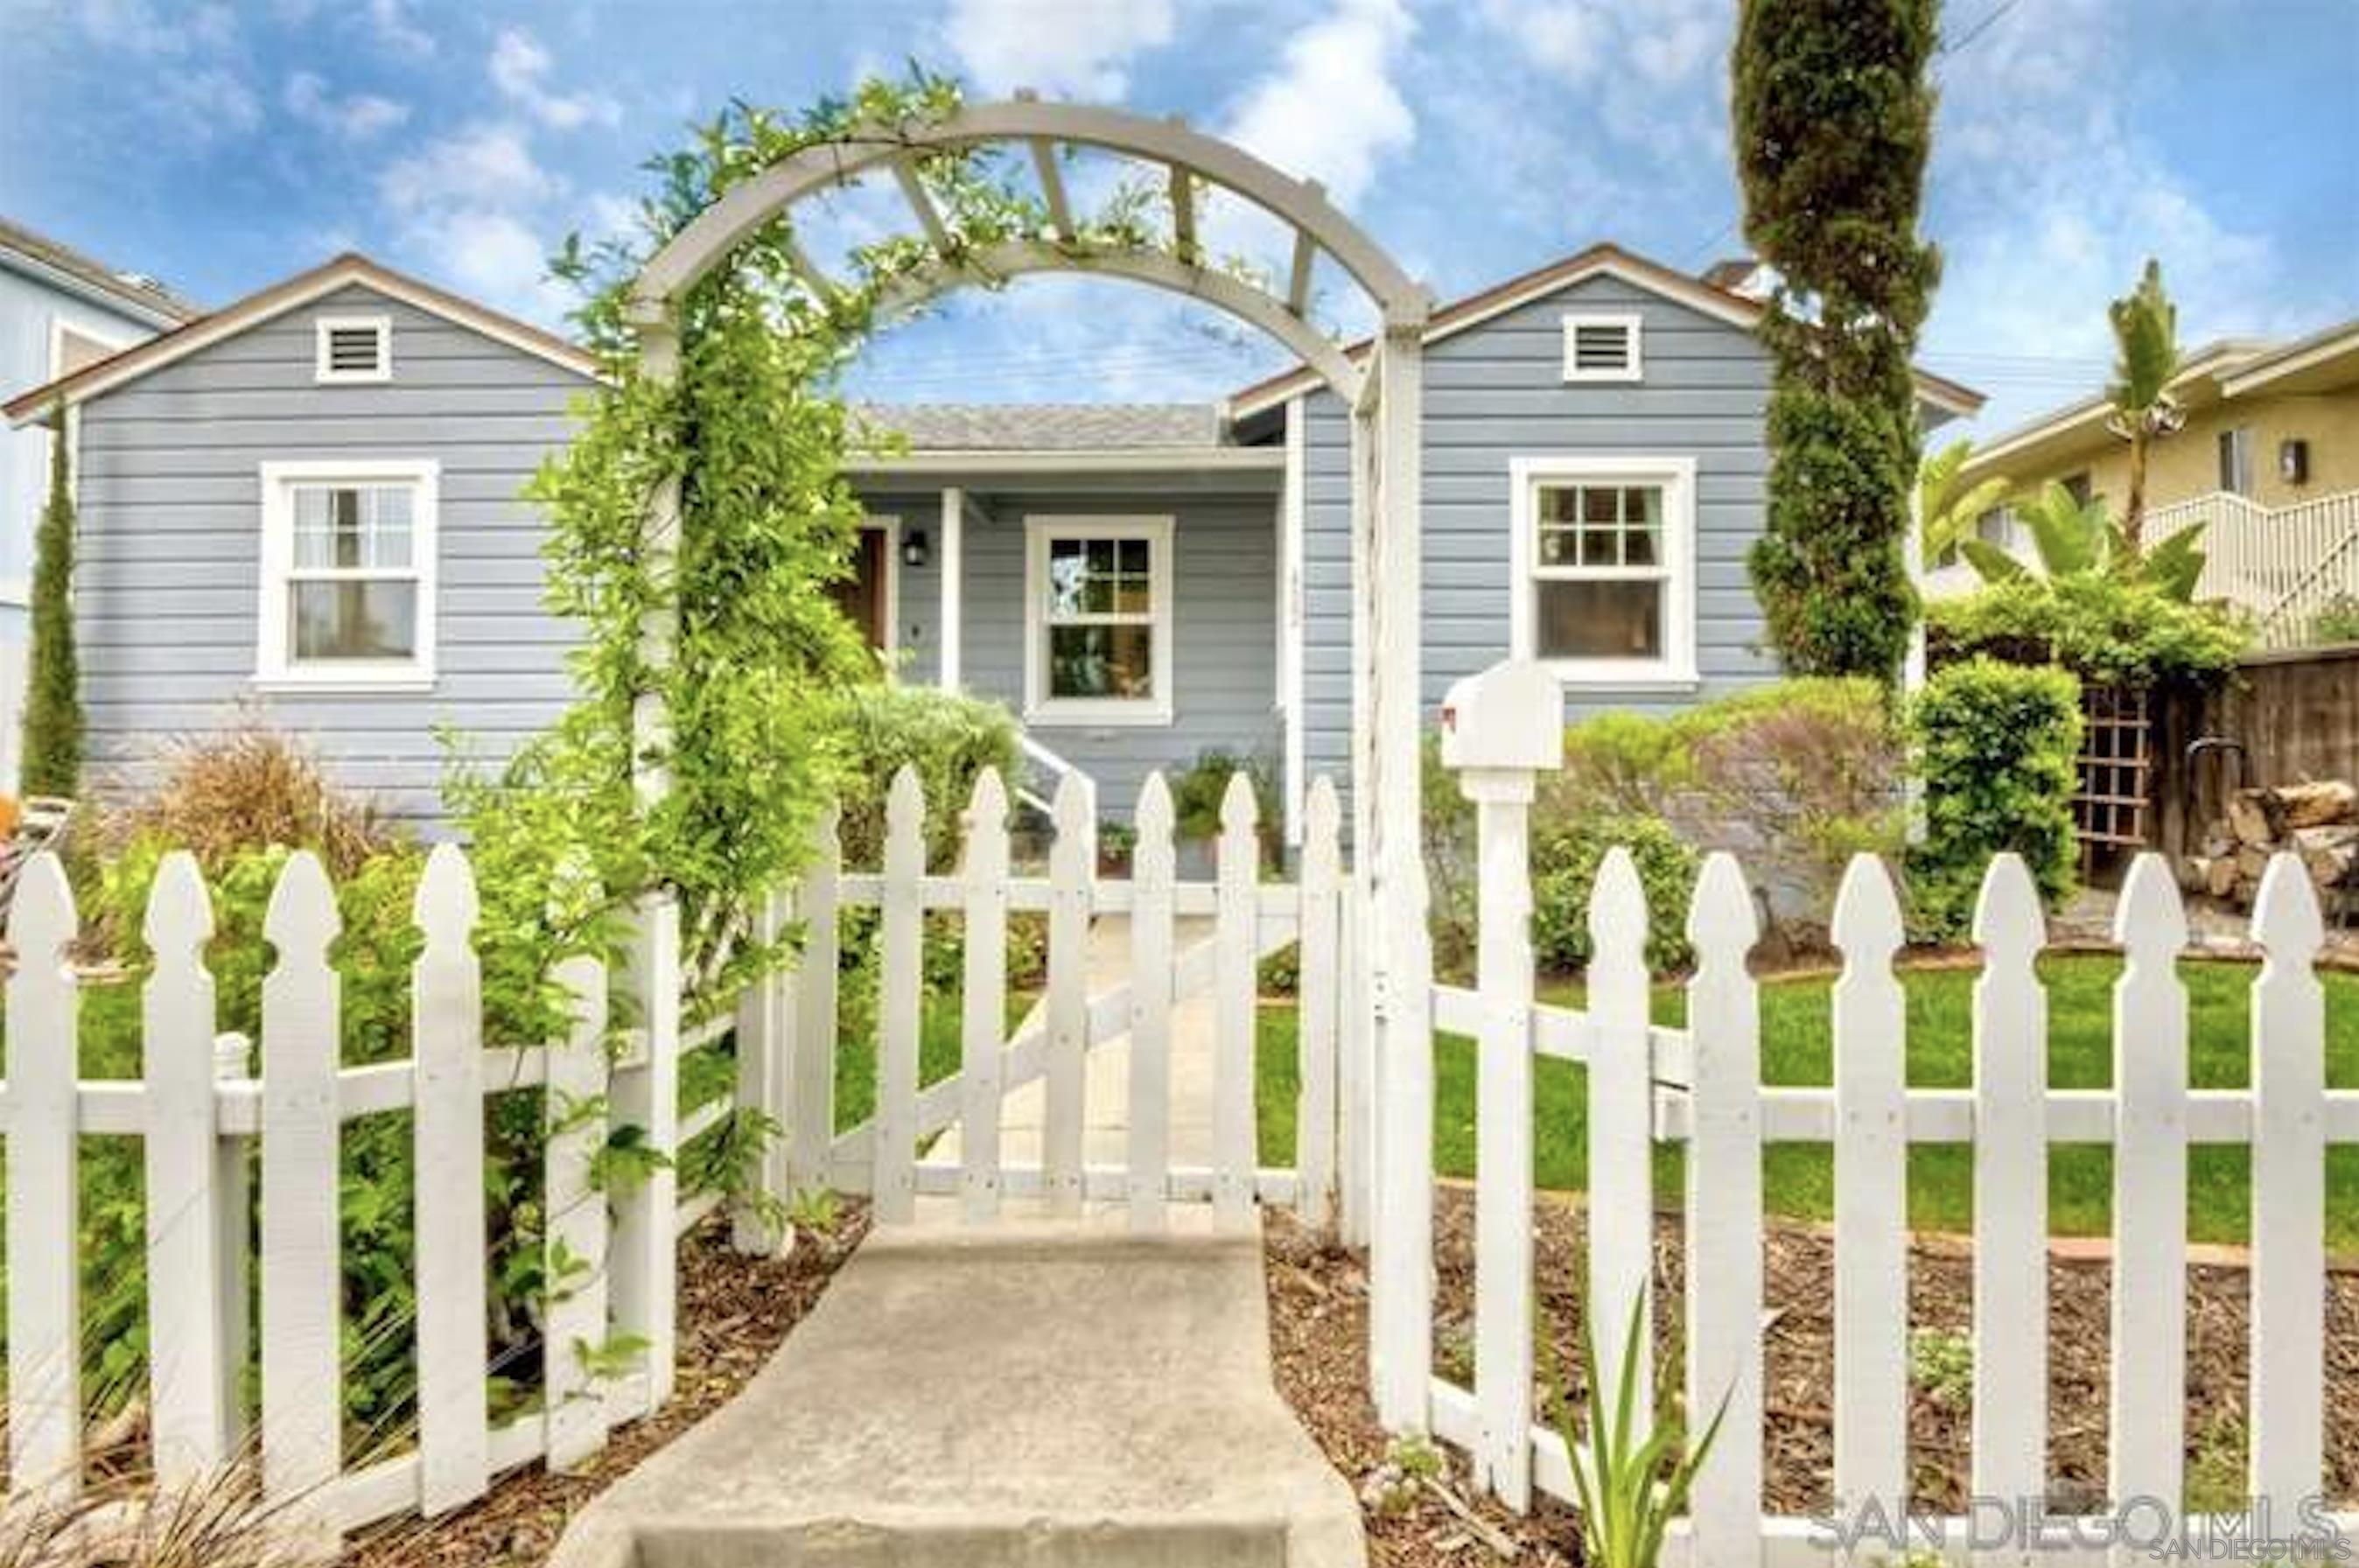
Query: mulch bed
x=1317 y=1309
x=734 y=1311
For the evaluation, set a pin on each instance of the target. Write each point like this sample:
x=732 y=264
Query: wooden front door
x=861 y=596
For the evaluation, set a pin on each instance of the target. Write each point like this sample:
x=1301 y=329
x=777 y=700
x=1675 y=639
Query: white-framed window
x=2236 y=460
x=352 y=348
x=1098 y=620
x=1603 y=568
x=348 y=557
x=1604 y=346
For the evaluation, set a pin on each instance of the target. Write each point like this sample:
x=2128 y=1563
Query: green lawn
x=1797 y=1048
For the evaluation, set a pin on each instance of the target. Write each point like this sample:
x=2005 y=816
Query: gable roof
x=128 y=293
x=2323 y=361
x=293 y=293
x=1604 y=260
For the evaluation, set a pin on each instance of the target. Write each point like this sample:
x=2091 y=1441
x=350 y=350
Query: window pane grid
x=1100 y=619
x=1600 y=530
x=353 y=582
x=1600 y=577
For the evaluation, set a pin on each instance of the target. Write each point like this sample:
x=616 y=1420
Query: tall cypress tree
x=1833 y=114
x=53 y=753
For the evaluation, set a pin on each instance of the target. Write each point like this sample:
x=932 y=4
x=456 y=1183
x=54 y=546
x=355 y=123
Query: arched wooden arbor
x=1384 y=392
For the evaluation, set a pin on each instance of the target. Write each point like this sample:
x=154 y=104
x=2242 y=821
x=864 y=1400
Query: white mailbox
x=1509 y=717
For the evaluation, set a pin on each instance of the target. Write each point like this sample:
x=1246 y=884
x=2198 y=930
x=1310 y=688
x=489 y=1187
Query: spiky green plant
x=1630 y=1484
x=1946 y=512
x=2072 y=538
x=2146 y=339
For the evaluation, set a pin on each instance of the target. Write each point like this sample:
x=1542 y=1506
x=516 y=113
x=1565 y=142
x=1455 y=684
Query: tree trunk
x=2134 y=514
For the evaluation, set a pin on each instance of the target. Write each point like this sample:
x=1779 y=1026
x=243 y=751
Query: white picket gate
x=789 y=1026
x=199 y=1106
x=1700 y=1086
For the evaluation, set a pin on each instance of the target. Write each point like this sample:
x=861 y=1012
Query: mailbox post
x=1499 y=730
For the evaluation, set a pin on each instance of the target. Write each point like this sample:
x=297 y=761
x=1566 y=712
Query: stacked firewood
x=2318 y=822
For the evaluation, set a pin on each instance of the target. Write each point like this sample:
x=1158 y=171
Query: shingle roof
x=131 y=289
x=1048 y=427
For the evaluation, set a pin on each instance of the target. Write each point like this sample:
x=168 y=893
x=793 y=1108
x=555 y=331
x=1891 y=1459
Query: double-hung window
x=347 y=574
x=1603 y=565
x=1098 y=620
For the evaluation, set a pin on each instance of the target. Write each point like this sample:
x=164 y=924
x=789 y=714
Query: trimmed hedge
x=1995 y=744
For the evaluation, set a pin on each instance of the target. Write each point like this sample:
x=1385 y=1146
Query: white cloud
x=391 y=20
x=209 y=104
x=355 y=118
x=519 y=67
x=1332 y=110
x=1063 y=49
x=1641 y=71
x=139 y=27
x=478 y=207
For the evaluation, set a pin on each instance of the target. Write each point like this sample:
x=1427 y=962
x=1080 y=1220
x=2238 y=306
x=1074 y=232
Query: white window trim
x=1039 y=706
x=273 y=669
x=1630 y=322
x=1675 y=671
x=326 y=374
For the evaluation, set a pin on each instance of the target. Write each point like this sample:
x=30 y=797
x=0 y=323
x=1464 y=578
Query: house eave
x=1133 y=459
x=113 y=301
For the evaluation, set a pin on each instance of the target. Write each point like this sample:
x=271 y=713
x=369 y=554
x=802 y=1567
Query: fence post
x=894 y=1186
x=1319 y=981
x=1724 y=1215
x=2288 y=1193
x=1871 y=1288
x=2146 y=1453
x=808 y=1014
x=189 y=1373
x=1236 y=1154
x=983 y=1027
x=1073 y=880
x=1621 y=1134
x=234 y=1063
x=2010 y=1153
x=44 y=1203
x=1153 y=872
x=446 y=1023
x=1490 y=739
x=646 y=1095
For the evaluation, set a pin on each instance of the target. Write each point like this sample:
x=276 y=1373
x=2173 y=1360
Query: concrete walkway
x=1052 y=1396
x=1024 y=1395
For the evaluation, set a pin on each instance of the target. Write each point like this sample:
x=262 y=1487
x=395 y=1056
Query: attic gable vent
x=1601 y=348
x=354 y=348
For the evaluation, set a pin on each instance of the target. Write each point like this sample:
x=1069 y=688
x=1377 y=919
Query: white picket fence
x=1700 y=1086
x=199 y=1108
x=789 y=1028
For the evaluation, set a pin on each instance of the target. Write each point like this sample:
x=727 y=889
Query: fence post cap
x=1510 y=716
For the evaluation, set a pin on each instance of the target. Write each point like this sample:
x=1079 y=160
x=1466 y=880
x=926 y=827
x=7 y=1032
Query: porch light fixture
x=913 y=548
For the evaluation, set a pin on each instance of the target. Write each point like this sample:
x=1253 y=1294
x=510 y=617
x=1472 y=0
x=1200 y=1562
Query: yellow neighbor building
x=2268 y=461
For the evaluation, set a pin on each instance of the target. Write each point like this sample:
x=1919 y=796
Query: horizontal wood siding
x=168 y=580
x=1497 y=392
x=1224 y=642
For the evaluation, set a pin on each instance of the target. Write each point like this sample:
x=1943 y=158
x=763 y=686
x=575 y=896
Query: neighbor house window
x=347 y=574
x=1098 y=619
x=2236 y=461
x=353 y=348
x=1602 y=347
x=1603 y=568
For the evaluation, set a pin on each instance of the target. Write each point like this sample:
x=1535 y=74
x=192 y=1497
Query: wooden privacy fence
x=201 y=1107
x=1700 y=1088
x=788 y=1029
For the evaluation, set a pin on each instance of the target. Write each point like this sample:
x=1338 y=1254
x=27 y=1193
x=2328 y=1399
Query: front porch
x=1119 y=577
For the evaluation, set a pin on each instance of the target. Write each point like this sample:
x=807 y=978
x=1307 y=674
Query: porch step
x=1031 y=1394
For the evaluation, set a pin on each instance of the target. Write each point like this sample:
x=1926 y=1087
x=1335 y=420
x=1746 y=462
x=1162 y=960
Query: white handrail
x=1057 y=767
x=2281 y=563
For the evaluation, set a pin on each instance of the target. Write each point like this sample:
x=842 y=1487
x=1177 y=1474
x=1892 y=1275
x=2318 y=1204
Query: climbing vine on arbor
x=753 y=432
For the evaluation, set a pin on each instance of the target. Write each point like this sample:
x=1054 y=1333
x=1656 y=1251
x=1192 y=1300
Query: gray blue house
x=60 y=311
x=343 y=553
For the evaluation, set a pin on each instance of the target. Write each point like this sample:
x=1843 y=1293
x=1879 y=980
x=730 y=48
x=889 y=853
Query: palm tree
x=1945 y=516
x=2146 y=333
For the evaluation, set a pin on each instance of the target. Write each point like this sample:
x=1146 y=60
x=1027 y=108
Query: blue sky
x=222 y=146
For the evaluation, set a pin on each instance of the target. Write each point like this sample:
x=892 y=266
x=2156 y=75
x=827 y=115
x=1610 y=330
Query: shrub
x=225 y=795
x=1996 y=744
x=948 y=736
x=1566 y=853
x=2110 y=630
x=52 y=721
x=1198 y=790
